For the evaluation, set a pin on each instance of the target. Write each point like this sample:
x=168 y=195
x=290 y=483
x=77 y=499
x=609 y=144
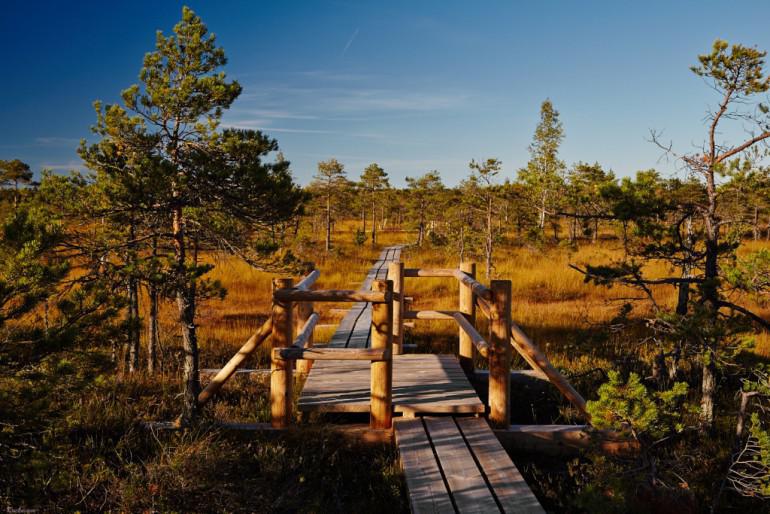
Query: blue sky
x=413 y=86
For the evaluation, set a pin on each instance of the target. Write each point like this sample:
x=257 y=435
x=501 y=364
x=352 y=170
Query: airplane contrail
x=350 y=42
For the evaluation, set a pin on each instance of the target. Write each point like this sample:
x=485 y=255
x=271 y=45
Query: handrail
x=479 y=342
x=485 y=307
x=306 y=331
x=307 y=282
x=328 y=354
x=332 y=295
x=235 y=362
x=432 y=315
x=538 y=360
x=428 y=273
x=478 y=288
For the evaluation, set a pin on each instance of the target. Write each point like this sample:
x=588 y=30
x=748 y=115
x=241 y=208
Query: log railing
x=495 y=303
x=288 y=349
x=254 y=342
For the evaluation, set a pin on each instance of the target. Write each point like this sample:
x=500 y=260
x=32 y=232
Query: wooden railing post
x=468 y=308
x=500 y=354
x=281 y=381
x=396 y=274
x=304 y=310
x=381 y=415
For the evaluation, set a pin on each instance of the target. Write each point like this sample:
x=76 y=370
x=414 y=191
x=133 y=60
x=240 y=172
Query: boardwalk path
x=422 y=383
x=451 y=464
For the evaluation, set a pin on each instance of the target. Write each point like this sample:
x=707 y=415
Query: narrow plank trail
x=452 y=463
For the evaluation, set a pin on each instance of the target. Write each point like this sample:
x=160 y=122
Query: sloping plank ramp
x=458 y=465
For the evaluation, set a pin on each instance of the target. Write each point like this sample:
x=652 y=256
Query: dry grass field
x=569 y=319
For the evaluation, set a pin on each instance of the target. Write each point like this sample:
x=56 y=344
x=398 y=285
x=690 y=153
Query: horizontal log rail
x=235 y=362
x=537 y=359
x=428 y=273
x=332 y=295
x=331 y=354
x=479 y=342
x=431 y=315
x=478 y=288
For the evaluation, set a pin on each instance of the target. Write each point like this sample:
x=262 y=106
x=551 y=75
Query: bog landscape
x=191 y=322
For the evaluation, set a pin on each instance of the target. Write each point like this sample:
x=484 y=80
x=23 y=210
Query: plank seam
x=478 y=465
x=440 y=467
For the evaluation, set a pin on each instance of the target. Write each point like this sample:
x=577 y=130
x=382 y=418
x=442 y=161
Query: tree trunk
x=152 y=330
x=133 y=325
x=185 y=299
x=328 y=223
x=708 y=389
x=756 y=223
x=489 y=240
x=374 y=225
x=684 y=287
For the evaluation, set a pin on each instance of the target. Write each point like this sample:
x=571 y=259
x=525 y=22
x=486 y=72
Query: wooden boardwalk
x=422 y=384
x=458 y=465
x=451 y=464
x=354 y=329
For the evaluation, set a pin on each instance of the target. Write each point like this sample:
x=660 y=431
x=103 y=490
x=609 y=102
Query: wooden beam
x=478 y=288
x=304 y=325
x=381 y=413
x=539 y=361
x=433 y=315
x=467 y=311
x=428 y=273
x=500 y=355
x=331 y=295
x=307 y=282
x=472 y=335
x=485 y=307
x=281 y=380
x=224 y=374
x=396 y=274
x=561 y=439
x=332 y=354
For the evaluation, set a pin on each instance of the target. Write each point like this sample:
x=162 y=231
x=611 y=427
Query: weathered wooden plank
x=427 y=490
x=469 y=490
x=422 y=383
x=512 y=492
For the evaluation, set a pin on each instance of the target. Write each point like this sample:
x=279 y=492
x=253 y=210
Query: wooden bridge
x=448 y=439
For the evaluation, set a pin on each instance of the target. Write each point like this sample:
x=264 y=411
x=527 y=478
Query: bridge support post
x=468 y=308
x=500 y=355
x=304 y=310
x=281 y=380
x=381 y=415
x=396 y=274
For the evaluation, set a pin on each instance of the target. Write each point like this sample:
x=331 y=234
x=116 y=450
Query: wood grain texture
x=422 y=383
x=467 y=485
x=427 y=491
x=505 y=480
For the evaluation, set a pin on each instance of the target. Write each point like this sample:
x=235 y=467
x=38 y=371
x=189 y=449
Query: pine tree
x=543 y=174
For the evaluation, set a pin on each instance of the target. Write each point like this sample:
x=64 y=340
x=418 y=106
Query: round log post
x=281 y=381
x=468 y=308
x=381 y=415
x=396 y=274
x=500 y=355
x=304 y=310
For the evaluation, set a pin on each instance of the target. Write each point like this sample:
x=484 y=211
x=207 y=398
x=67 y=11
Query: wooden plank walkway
x=422 y=383
x=458 y=465
x=354 y=329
